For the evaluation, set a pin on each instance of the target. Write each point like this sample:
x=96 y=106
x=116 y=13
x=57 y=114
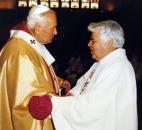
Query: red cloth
x=22 y=26
x=40 y=107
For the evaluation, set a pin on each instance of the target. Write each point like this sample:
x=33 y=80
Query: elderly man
x=26 y=71
x=105 y=97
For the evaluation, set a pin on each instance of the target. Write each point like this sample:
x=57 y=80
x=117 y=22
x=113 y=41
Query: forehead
x=51 y=18
x=95 y=35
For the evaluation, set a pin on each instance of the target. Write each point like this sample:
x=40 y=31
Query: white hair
x=108 y=30
x=35 y=15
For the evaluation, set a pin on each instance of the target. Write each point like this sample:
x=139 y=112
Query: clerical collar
x=120 y=52
x=39 y=47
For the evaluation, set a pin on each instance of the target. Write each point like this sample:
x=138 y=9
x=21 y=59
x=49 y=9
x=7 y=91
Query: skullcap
x=38 y=9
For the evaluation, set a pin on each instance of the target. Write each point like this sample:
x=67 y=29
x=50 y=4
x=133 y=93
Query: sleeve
x=27 y=80
x=77 y=88
x=60 y=81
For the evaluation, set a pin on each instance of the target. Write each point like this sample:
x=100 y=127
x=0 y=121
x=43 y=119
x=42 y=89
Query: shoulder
x=117 y=66
x=18 y=45
x=16 y=48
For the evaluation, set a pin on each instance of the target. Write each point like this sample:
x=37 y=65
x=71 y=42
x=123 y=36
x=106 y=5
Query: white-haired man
x=26 y=71
x=105 y=97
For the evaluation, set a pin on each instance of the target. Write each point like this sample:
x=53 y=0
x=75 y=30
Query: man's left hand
x=66 y=84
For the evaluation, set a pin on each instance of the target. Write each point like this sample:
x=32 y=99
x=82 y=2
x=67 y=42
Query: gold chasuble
x=23 y=74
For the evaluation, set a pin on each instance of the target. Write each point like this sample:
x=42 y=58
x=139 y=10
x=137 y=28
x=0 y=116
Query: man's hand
x=40 y=107
x=66 y=84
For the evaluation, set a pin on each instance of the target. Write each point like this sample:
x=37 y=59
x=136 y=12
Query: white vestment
x=107 y=103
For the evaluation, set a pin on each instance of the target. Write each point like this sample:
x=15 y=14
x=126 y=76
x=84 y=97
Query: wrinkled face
x=98 y=49
x=46 y=32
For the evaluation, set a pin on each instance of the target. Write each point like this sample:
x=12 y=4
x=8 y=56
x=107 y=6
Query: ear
x=37 y=29
x=110 y=45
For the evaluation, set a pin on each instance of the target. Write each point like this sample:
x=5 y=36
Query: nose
x=55 y=31
x=89 y=44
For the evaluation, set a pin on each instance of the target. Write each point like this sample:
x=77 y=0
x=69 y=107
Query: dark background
x=73 y=36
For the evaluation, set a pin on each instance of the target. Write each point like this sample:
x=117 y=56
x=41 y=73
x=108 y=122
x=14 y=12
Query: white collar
x=40 y=48
x=120 y=52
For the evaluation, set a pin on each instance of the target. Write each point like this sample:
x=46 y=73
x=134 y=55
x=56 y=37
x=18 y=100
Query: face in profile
x=46 y=32
x=99 y=49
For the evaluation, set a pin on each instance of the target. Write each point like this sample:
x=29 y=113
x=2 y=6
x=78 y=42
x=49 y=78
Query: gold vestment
x=23 y=73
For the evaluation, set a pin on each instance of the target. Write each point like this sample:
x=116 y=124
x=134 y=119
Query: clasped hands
x=65 y=87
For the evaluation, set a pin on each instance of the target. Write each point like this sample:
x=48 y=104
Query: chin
x=49 y=41
x=94 y=58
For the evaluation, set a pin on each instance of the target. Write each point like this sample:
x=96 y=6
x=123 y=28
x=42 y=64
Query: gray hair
x=36 y=15
x=109 y=29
